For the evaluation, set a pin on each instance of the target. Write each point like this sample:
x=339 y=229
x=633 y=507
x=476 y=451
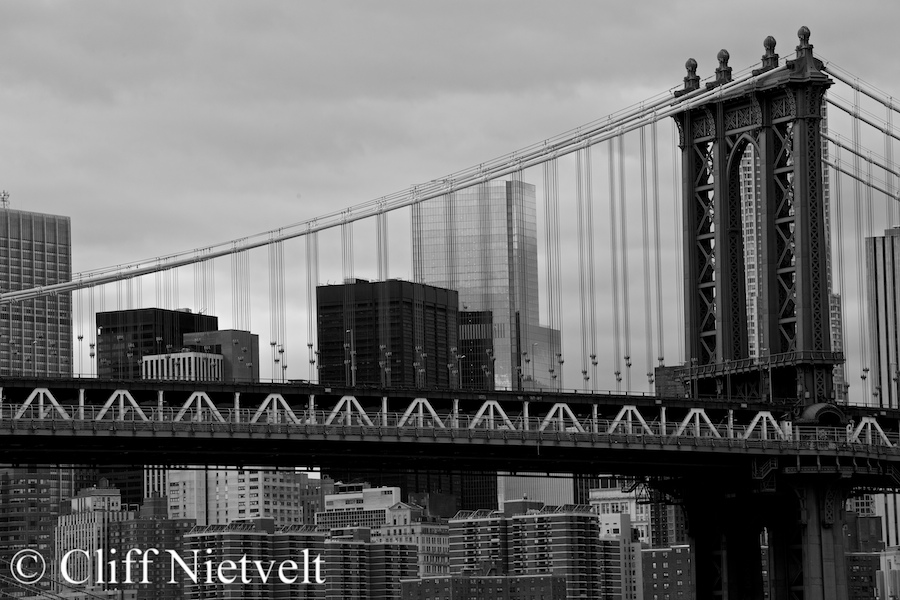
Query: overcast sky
x=166 y=126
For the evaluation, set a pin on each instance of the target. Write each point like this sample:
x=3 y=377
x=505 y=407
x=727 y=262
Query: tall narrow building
x=35 y=335
x=882 y=276
x=482 y=242
x=35 y=341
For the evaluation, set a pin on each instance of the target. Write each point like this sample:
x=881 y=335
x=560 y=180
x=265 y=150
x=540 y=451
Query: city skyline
x=185 y=137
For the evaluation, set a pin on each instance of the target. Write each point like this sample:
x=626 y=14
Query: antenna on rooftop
x=4 y=199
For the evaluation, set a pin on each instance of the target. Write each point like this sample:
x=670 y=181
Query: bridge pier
x=804 y=526
x=725 y=543
x=806 y=544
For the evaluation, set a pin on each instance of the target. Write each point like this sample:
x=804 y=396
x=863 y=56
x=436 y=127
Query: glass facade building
x=482 y=242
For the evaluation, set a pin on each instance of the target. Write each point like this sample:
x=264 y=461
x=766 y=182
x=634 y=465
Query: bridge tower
x=779 y=115
x=800 y=509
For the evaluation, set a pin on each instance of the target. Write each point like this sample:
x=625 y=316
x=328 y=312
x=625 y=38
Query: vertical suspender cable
x=888 y=175
x=312 y=279
x=551 y=204
x=557 y=271
x=623 y=216
x=654 y=154
x=614 y=254
x=645 y=239
x=349 y=303
x=582 y=267
x=418 y=270
x=860 y=252
x=384 y=324
x=589 y=221
x=679 y=249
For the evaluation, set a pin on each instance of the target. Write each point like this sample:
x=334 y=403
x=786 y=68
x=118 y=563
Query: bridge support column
x=725 y=544
x=804 y=522
x=806 y=544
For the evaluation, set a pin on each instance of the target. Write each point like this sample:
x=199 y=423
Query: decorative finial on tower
x=723 y=72
x=805 y=48
x=4 y=199
x=769 y=59
x=692 y=81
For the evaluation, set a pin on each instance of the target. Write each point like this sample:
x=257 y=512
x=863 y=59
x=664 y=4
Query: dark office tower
x=35 y=335
x=475 y=353
x=387 y=334
x=124 y=337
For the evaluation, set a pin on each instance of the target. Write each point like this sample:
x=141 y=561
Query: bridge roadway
x=93 y=421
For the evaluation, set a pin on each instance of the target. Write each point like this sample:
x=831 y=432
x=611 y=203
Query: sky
x=163 y=127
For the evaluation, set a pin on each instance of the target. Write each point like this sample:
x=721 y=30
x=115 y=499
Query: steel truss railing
x=643 y=425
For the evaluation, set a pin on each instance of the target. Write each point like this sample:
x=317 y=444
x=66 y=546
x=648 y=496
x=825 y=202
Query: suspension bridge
x=745 y=283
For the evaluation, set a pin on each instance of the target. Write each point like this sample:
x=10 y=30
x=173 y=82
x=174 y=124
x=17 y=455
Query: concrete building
x=150 y=529
x=387 y=333
x=615 y=501
x=249 y=540
x=554 y=540
x=482 y=241
x=496 y=587
x=361 y=507
x=360 y=568
x=184 y=366
x=31 y=500
x=411 y=525
x=220 y=496
x=86 y=530
x=621 y=566
x=667 y=573
x=297 y=554
x=557 y=490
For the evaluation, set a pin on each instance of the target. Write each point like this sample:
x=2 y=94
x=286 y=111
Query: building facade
x=220 y=496
x=239 y=351
x=86 y=531
x=387 y=334
x=482 y=241
x=496 y=587
x=559 y=541
x=35 y=335
x=409 y=524
x=124 y=337
x=363 y=507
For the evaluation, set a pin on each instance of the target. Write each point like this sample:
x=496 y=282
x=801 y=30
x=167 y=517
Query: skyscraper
x=482 y=242
x=883 y=273
x=35 y=340
x=35 y=335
